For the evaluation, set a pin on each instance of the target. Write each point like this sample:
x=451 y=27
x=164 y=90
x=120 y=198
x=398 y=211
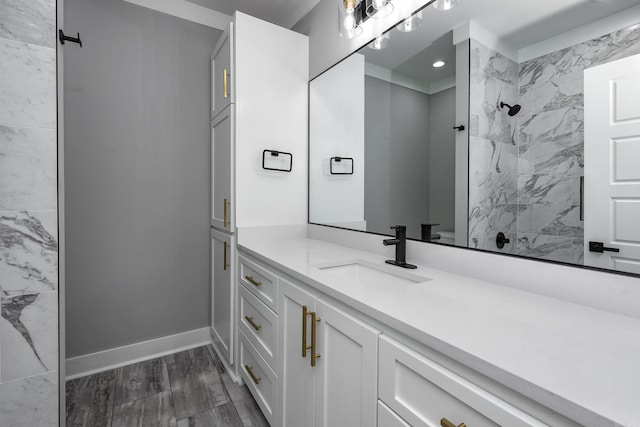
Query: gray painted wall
x=396 y=157
x=442 y=153
x=137 y=154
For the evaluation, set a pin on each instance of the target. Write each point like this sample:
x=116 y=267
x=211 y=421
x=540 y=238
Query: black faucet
x=400 y=243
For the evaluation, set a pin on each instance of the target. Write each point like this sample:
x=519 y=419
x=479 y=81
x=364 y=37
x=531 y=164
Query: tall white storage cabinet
x=260 y=76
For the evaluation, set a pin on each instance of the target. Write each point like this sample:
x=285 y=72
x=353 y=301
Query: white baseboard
x=121 y=356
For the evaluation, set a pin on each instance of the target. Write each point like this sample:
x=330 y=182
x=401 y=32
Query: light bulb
x=379 y=4
x=445 y=4
x=349 y=22
x=380 y=42
x=411 y=23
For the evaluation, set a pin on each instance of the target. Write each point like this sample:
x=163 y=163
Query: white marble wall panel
x=28 y=85
x=32 y=21
x=493 y=153
x=30 y=402
x=28 y=217
x=27 y=169
x=29 y=334
x=28 y=252
x=486 y=156
x=551 y=144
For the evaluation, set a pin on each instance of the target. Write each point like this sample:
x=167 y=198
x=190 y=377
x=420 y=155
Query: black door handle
x=600 y=247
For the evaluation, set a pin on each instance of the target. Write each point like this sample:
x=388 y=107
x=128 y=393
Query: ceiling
x=518 y=23
x=284 y=13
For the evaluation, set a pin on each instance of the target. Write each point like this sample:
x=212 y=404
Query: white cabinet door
x=612 y=165
x=222 y=293
x=222 y=72
x=346 y=372
x=296 y=374
x=222 y=199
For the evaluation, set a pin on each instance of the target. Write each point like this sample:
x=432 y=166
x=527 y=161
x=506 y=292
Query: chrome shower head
x=513 y=110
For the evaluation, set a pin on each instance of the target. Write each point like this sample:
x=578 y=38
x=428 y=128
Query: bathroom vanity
x=324 y=332
x=391 y=347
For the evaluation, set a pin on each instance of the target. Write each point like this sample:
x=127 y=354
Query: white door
x=347 y=370
x=222 y=293
x=612 y=165
x=222 y=185
x=296 y=374
x=222 y=73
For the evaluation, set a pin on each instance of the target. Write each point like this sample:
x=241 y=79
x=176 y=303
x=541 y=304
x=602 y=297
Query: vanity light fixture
x=378 y=8
x=411 y=23
x=445 y=4
x=380 y=42
x=348 y=25
x=439 y=63
x=352 y=13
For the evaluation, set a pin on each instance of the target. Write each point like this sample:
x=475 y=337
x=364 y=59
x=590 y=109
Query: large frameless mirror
x=477 y=129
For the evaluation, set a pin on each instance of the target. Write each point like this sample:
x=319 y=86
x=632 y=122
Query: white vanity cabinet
x=222 y=272
x=222 y=199
x=222 y=75
x=423 y=393
x=328 y=363
x=257 y=322
x=259 y=101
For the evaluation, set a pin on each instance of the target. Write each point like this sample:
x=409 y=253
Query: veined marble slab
x=28 y=87
x=29 y=335
x=31 y=401
x=32 y=21
x=28 y=169
x=28 y=252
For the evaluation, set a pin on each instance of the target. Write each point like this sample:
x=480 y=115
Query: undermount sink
x=366 y=273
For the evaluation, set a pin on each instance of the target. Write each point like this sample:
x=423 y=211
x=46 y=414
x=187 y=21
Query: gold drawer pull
x=224 y=83
x=253 y=281
x=252 y=323
x=224 y=259
x=252 y=375
x=446 y=423
x=314 y=321
x=225 y=222
x=305 y=347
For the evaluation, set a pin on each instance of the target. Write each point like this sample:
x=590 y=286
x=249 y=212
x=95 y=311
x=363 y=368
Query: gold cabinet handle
x=225 y=222
x=224 y=258
x=314 y=322
x=446 y=423
x=252 y=375
x=305 y=347
x=224 y=83
x=253 y=281
x=255 y=326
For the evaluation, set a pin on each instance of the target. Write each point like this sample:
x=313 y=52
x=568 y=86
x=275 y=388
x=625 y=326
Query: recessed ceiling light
x=439 y=64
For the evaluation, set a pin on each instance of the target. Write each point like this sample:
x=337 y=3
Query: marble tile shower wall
x=493 y=153
x=526 y=169
x=28 y=214
x=551 y=144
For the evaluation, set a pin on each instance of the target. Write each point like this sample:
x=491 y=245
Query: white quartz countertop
x=579 y=361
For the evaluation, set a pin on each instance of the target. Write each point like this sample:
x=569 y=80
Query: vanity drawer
x=423 y=392
x=260 y=281
x=259 y=324
x=260 y=379
x=388 y=418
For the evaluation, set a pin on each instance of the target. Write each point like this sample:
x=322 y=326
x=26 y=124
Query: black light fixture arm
x=64 y=38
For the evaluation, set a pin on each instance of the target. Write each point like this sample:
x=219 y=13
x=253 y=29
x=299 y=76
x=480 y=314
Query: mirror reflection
x=516 y=136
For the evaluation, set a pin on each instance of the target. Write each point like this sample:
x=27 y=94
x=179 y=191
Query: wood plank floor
x=186 y=389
